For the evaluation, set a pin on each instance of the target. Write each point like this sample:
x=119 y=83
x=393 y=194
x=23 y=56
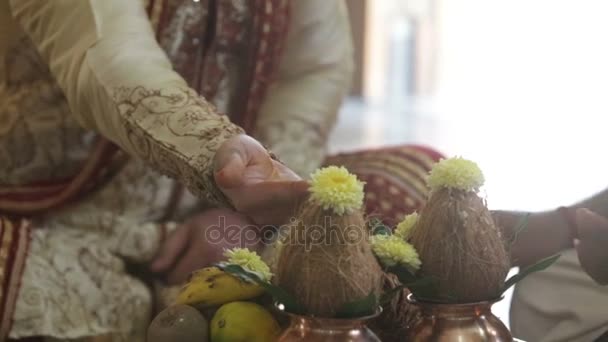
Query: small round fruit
x=179 y=323
x=243 y=322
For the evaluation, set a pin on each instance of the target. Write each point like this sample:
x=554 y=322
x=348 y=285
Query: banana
x=209 y=287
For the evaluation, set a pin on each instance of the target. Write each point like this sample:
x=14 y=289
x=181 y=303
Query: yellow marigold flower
x=248 y=260
x=457 y=173
x=392 y=251
x=404 y=228
x=337 y=189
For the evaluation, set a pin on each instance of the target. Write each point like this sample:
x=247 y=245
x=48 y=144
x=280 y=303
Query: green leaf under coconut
x=537 y=267
x=421 y=287
x=359 y=308
x=240 y=272
x=377 y=227
x=278 y=294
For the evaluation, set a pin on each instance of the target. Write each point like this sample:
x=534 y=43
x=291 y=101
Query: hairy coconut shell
x=460 y=245
x=326 y=261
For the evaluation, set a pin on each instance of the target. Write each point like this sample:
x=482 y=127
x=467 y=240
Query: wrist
x=568 y=216
x=563 y=226
x=509 y=221
x=544 y=234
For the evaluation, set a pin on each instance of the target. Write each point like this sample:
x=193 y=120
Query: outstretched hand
x=201 y=241
x=258 y=186
x=592 y=245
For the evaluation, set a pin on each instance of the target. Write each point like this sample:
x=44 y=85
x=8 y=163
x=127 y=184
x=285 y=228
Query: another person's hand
x=592 y=245
x=258 y=186
x=201 y=241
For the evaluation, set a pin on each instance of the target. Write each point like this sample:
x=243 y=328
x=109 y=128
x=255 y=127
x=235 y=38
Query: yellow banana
x=211 y=286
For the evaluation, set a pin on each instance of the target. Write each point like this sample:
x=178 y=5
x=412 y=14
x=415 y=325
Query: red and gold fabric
x=395 y=178
x=14 y=240
x=36 y=199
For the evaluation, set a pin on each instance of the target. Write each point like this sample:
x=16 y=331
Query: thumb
x=275 y=194
x=591 y=225
x=170 y=251
x=230 y=174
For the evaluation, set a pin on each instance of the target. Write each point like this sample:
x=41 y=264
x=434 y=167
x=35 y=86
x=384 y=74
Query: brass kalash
x=471 y=322
x=313 y=329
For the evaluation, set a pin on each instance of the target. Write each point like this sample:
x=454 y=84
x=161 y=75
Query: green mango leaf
x=359 y=308
x=403 y=274
x=240 y=272
x=421 y=287
x=537 y=267
x=427 y=288
x=377 y=227
x=278 y=294
x=382 y=230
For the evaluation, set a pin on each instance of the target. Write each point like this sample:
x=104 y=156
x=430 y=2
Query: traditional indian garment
x=100 y=101
x=560 y=304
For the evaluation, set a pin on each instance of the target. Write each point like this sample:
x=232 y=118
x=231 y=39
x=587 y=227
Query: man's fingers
x=282 y=189
x=272 y=202
x=265 y=194
x=591 y=248
x=591 y=225
x=594 y=260
x=171 y=249
x=182 y=270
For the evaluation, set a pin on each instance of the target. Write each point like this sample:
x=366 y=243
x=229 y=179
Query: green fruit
x=179 y=323
x=243 y=322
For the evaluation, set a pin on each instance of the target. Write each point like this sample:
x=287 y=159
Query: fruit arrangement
x=219 y=306
x=331 y=263
x=325 y=266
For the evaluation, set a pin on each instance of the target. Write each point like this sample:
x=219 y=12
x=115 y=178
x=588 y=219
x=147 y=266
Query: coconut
x=456 y=238
x=326 y=260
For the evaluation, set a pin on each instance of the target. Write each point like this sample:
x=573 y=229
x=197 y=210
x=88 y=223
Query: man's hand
x=592 y=247
x=258 y=186
x=201 y=241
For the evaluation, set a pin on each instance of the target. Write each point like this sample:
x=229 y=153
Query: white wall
x=527 y=81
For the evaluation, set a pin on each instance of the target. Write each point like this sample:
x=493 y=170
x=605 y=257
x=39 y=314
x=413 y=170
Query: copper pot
x=472 y=322
x=315 y=329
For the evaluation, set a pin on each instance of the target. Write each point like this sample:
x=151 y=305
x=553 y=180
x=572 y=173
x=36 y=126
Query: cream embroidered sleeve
x=119 y=82
x=313 y=78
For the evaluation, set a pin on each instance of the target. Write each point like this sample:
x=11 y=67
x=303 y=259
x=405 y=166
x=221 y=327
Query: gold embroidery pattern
x=178 y=133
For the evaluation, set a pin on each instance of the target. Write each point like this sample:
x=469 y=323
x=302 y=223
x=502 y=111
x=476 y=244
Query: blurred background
x=518 y=86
